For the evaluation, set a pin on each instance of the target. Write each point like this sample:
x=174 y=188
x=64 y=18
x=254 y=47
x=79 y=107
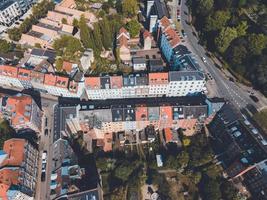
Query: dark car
x=231 y=79
x=43 y=176
x=254 y=98
x=46 y=131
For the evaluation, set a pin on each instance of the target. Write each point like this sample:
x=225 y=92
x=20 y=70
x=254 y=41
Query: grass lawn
x=261 y=118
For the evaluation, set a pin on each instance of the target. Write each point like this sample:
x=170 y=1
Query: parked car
x=203 y=59
x=254 y=98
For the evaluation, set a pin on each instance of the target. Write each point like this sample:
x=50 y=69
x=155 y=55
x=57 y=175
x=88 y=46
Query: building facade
x=18 y=173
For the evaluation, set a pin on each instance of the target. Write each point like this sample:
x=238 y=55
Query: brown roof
x=165 y=22
x=15 y=149
x=20 y=108
x=67 y=66
x=146 y=34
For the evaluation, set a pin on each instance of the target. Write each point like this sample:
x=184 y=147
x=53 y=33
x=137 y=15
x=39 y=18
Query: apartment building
x=155 y=10
x=22 y=78
x=173 y=83
x=107 y=116
x=10 y=11
x=18 y=173
x=22 y=112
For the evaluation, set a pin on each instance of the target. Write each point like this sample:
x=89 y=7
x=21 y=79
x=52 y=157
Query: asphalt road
x=43 y=187
x=223 y=87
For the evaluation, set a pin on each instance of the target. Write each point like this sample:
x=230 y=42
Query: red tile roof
x=50 y=79
x=24 y=74
x=158 y=78
x=67 y=66
x=172 y=36
x=141 y=113
x=116 y=82
x=15 y=149
x=20 y=108
x=9 y=176
x=92 y=82
x=37 y=76
x=165 y=22
x=62 y=81
x=7 y=70
x=146 y=34
x=168 y=135
x=3 y=191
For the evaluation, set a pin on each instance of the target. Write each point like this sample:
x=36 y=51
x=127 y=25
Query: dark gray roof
x=129 y=80
x=186 y=75
x=139 y=60
x=49 y=54
x=105 y=82
x=48 y=26
x=98 y=104
x=156 y=65
x=187 y=63
x=5 y=5
x=160 y=9
x=117 y=114
x=181 y=50
x=141 y=79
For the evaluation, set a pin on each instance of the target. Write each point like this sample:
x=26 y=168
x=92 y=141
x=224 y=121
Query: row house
x=125 y=116
x=18 y=173
x=173 y=83
x=22 y=78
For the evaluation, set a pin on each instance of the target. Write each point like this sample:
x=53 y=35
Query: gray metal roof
x=186 y=75
x=139 y=60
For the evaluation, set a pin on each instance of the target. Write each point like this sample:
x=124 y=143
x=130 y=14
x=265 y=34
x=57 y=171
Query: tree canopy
x=133 y=27
x=68 y=47
x=129 y=8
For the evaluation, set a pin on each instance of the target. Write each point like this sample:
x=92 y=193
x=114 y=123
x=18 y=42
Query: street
x=220 y=85
x=46 y=141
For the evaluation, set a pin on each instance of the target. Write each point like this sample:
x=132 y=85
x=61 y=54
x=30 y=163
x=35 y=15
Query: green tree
x=106 y=33
x=85 y=33
x=6 y=132
x=133 y=27
x=211 y=190
x=75 y=23
x=217 y=21
x=64 y=21
x=183 y=159
x=226 y=36
x=26 y=25
x=59 y=64
x=241 y=29
x=14 y=34
x=259 y=67
x=229 y=192
x=213 y=171
x=237 y=52
x=97 y=38
x=124 y=170
x=68 y=47
x=38 y=45
x=256 y=43
x=129 y=8
x=5 y=46
x=205 y=7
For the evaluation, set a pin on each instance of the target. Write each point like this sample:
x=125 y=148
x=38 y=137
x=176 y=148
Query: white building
x=10 y=11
